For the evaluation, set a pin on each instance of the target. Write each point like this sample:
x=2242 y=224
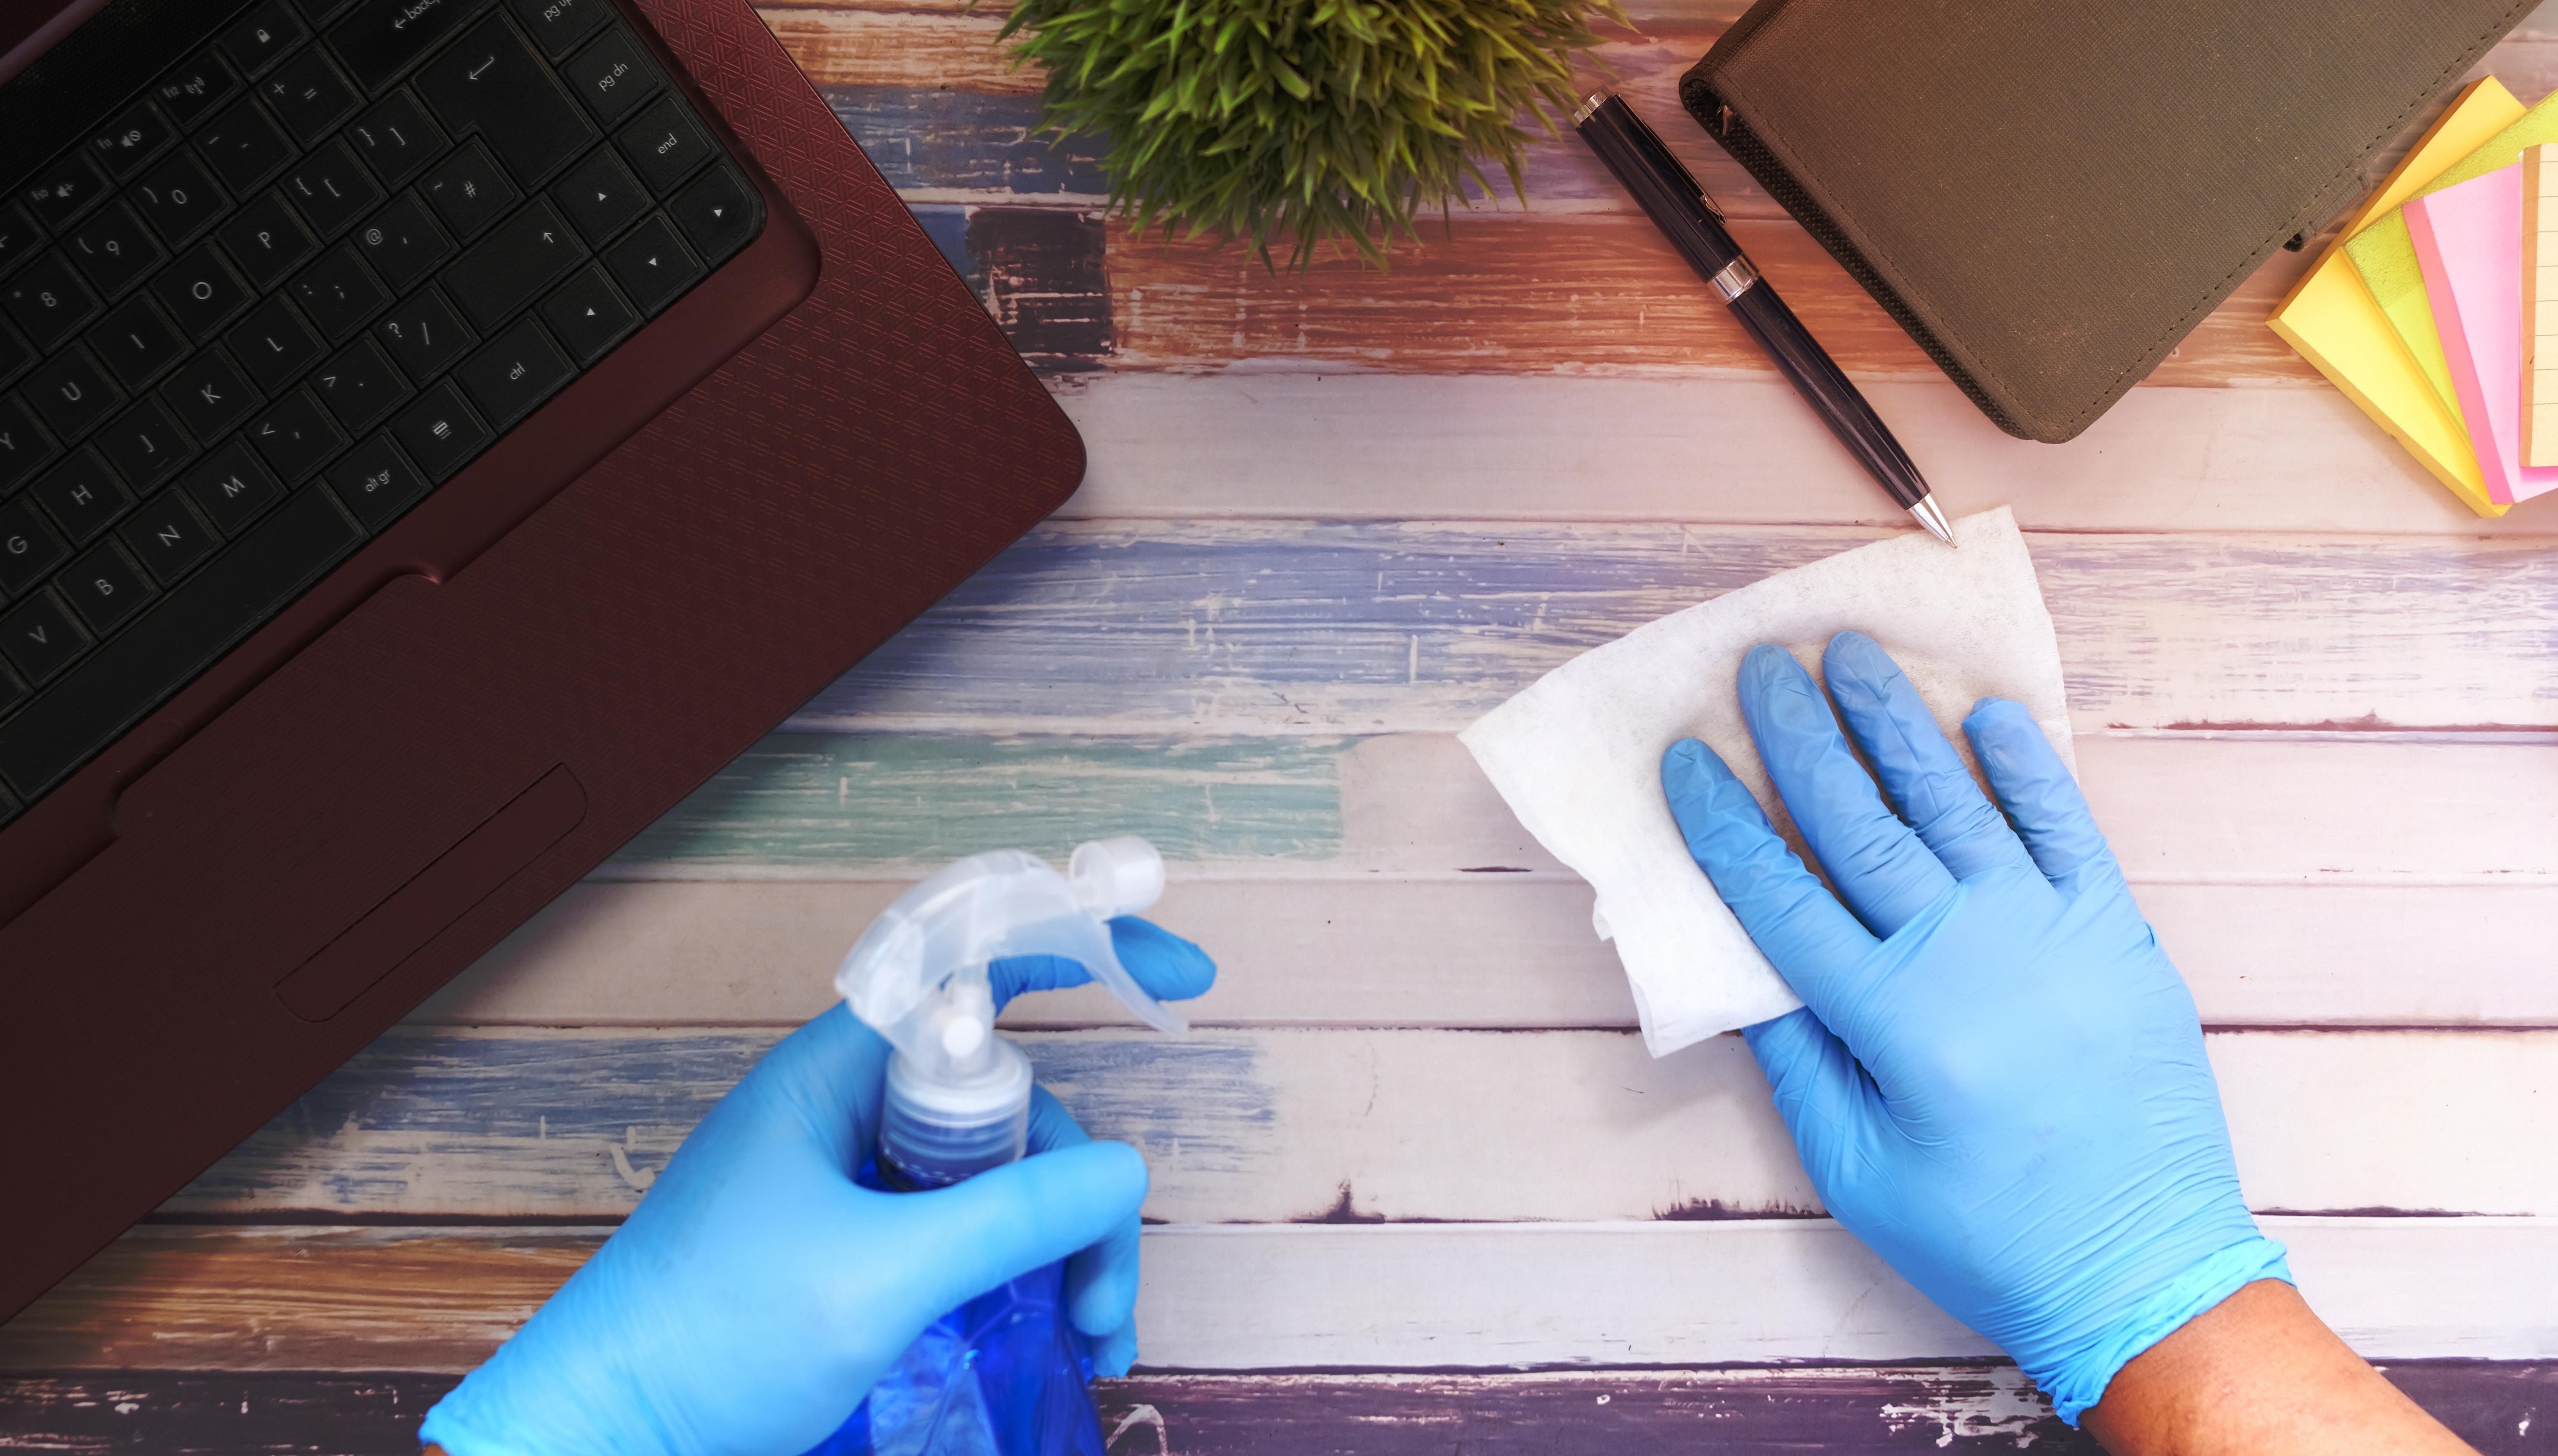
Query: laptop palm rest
x=437 y=896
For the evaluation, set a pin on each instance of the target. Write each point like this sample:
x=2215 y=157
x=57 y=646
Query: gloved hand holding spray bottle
x=1005 y=1373
x=758 y=1290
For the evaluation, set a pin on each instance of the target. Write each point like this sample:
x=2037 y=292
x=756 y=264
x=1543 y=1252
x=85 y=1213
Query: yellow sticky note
x=2338 y=325
x=2386 y=256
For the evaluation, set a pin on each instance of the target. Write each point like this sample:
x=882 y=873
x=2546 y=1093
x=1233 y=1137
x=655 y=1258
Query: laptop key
x=489 y=83
x=114 y=250
x=653 y=265
x=263 y=37
x=558 y=25
x=469 y=192
x=72 y=393
x=178 y=199
x=664 y=144
x=23 y=444
x=612 y=77
x=104 y=588
x=506 y=270
x=137 y=341
x=233 y=487
x=134 y=139
x=64 y=190
x=377 y=482
x=195 y=87
x=424 y=335
x=397 y=138
x=145 y=445
x=717 y=213
x=244 y=145
x=441 y=433
x=309 y=96
x=295 y=437
x=274 y=345
x=339 y=294
x=403 y=241
x=48 y=300
x=331 y=189
x=379 y=38
x=16 y=354
x=173 y=641
x=40 y=638
x=267 y=240
x=29 y=547
x=82 y=495
x=588 y=316
x=518 y=370
x=360 y=385
x=200 y=292
x=209 y=394
x=166 y=537
x=601 y=196
x=19 y=237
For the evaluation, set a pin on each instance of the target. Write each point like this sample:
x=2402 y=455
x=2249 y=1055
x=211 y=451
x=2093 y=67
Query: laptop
x=435 y=435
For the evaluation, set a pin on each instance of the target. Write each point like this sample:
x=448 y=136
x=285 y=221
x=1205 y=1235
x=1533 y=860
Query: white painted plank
x=1326 y=628
x=1361 y=1123
x=1733 y=450
x=1434 y=1295
x=1476 y=952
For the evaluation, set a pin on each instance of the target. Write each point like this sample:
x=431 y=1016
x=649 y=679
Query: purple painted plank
x=2496 y=1407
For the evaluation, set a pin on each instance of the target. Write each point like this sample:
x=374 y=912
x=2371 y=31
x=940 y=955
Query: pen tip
x=1926 y=514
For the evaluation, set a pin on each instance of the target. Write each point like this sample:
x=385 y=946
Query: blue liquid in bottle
x=1006 y=1374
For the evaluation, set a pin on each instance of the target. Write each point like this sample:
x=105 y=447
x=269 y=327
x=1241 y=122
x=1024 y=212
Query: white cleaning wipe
x=1578 y=755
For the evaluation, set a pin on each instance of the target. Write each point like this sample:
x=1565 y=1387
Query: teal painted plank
x=805 y=799
x=1259 y=626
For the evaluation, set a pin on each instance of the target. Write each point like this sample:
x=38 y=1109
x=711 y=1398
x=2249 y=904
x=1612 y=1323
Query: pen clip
x=1650 y=141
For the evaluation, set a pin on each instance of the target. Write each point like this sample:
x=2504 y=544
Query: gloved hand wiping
x=757 y=1292
x=1997 y=1079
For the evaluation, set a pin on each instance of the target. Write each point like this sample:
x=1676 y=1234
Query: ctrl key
x=377 y=482
x=441 y=433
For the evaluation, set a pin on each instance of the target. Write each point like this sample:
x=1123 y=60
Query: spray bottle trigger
x=1112 y=878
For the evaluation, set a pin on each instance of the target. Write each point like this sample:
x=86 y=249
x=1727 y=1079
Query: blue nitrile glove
x=757 y=1291
x=1997 y=1081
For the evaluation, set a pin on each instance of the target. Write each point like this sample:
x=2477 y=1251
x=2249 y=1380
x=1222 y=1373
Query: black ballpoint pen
x=1679 y=206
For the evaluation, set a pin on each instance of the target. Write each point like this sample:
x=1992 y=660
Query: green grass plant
x=1312 y=120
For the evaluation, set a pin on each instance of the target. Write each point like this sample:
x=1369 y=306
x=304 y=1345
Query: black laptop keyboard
x=300 y=281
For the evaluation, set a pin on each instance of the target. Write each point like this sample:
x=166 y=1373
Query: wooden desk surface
x=1421 y=1189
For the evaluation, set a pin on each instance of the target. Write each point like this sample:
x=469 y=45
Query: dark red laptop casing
x=532 y=665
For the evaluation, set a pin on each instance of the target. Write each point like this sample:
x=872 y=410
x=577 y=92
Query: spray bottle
x=1006 y=1374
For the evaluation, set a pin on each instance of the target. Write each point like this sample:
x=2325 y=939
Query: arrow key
x=719 y=213
x=588 y=315
x=601 y=196
x=653 y=265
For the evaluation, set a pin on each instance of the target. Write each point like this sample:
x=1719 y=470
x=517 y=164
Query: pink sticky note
x=2469 y=241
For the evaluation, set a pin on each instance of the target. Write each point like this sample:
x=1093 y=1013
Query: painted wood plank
x=1273 y=1297
x=1224 y=627
x=1568 y=294
x=1357 y=1124
x=2178 y=807
x=1973 y=1407
x=1480 y=951
x=1352 y=446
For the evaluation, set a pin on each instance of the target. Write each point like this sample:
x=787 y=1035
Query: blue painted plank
x=492 y=1123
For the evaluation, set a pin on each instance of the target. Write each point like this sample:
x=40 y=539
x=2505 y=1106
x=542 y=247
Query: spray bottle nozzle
x=918 y=976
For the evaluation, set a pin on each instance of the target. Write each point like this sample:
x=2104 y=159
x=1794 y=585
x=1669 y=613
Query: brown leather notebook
x=2049 y=194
